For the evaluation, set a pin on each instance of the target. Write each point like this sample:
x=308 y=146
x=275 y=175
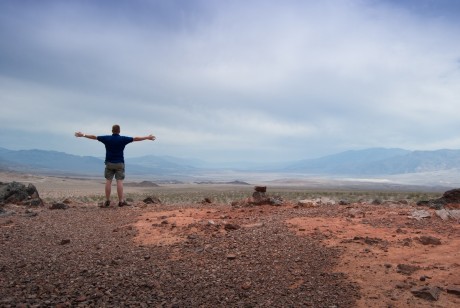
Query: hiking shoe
x=122 y=203
x=107 y=203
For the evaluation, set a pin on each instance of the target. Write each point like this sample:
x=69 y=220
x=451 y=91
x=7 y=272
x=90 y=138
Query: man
x=114 y=159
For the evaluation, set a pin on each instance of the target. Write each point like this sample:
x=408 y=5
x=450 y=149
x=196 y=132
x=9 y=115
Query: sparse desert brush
x=225 y=195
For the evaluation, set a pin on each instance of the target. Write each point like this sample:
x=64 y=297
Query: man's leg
x=120 y=176
x=120 y=190
x=108 y=174
x=108 y=189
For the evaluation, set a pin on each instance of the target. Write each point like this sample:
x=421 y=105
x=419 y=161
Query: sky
x=249 y=80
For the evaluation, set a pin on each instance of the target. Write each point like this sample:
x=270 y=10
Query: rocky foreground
x=314 y=253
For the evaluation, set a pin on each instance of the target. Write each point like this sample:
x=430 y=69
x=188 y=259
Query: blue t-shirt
x=114 y=146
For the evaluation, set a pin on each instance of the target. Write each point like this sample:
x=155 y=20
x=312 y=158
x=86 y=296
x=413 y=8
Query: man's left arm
x=149 y=137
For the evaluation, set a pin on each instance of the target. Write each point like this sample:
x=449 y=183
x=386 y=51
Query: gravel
x=87 y=256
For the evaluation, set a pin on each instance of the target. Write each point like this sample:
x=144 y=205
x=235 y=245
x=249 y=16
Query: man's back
x=114 y=145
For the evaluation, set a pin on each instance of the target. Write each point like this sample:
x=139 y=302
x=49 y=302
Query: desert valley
x=273 y=153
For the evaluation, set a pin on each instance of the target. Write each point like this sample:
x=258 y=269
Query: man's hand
x=80 y=134
x=151 y=137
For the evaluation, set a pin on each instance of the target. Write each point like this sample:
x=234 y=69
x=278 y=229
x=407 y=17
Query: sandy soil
x=380 y=247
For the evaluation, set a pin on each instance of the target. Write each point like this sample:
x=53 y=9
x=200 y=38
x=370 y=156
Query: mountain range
x=367 y=162
x=380 y=161
x=60 y=163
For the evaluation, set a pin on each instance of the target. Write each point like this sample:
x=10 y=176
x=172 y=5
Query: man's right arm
x=80 y=134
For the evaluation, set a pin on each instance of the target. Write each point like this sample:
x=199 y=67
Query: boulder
x=426 y=292
x=230 y=227
x=429 y=240
x=453 y=290
x=449 y=197
x=443 y=214
x=452 y=196
x=152 y=200
x=256 y=201
x=420 y=214
x=261 y=189
x=436 y=204
x=18 y=193
x=59 y=206
x=455 y=214
x=407 y=269
x=307 y=203
x=260 y=198
x=276 y=201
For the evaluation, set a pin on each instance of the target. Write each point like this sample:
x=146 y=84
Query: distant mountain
x=420 y=161
x=53 y=162
x=364 y=163
x=48 y=162
x=379 y=161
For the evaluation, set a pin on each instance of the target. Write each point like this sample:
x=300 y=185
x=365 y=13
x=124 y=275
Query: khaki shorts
x=117 y=170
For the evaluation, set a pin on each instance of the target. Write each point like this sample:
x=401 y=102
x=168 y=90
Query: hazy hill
x=379 y=161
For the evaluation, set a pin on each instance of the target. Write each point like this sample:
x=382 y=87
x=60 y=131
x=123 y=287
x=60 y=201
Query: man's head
x=116 y=129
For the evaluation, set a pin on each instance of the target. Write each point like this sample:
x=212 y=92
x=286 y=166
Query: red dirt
x=374 y=240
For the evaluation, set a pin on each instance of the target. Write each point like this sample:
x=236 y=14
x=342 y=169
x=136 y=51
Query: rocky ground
x=314 y=254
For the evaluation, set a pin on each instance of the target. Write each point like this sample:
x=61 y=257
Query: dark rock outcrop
x=449 y=197
x=18 y=193
x=152 y=200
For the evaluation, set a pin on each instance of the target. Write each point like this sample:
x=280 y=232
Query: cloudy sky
x=235 y=80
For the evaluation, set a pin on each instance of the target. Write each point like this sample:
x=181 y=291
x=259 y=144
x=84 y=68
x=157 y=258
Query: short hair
x=116 y=129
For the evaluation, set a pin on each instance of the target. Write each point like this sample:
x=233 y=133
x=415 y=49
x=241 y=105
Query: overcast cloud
x=231 y=80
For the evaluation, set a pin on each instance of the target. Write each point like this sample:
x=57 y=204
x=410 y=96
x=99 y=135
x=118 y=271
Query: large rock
x=259 y=197
x=427 y=292
x=429 y=240
x=18 y=193
x=152 y=200
x=407 y=269
x=449 y=197
x=453 y=290
x=261 y=189
x=446 y=214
